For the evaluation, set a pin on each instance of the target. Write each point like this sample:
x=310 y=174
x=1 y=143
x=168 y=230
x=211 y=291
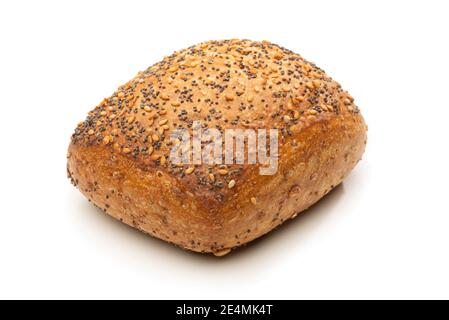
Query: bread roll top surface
x=230 y=84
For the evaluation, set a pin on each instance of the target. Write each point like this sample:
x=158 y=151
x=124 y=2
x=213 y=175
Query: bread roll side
x=311 y=163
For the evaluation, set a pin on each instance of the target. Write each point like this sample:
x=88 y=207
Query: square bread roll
x=120 y=157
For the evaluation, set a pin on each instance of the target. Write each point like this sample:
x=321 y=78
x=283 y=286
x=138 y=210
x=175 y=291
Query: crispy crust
x=118 y=156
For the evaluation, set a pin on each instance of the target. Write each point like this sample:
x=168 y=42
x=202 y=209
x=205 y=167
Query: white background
x=383 y=234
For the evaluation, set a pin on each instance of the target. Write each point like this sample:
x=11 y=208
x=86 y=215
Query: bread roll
x=119 y=157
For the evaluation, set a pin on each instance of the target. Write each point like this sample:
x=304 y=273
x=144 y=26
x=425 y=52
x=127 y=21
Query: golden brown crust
x=118 y=157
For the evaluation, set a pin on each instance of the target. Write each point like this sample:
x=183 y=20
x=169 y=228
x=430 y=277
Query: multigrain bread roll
x=120 y=156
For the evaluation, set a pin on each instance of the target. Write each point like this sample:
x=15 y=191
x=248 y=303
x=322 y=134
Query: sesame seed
x=295 y=128
x=153 y=114
x=296 y=115
x=253 y=201
x=155 y=157
x=106 y=140
x=189 y=170
x=126 y=150
x=155 y=137
x=223 y=172
x=231 y=184
x=278 y=55
x=286 y=88
x=164 y=97
x=162 y=122
x=175 y=103
x=90 y=132
x=222 y=253
x=173 y=69
x=211 y=177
